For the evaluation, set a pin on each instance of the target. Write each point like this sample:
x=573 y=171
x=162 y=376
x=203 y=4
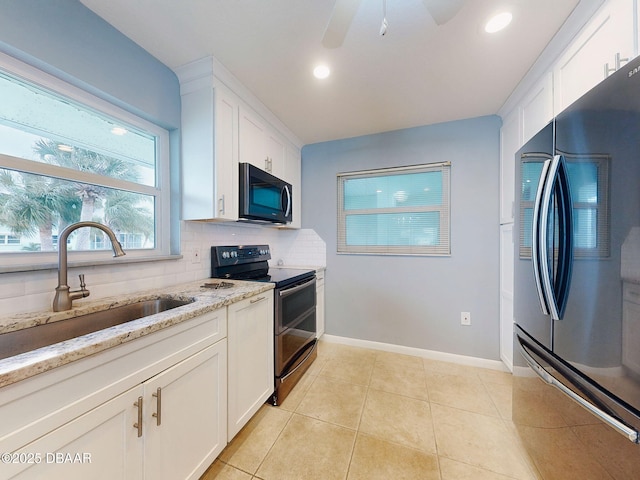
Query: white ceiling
x=417 y=74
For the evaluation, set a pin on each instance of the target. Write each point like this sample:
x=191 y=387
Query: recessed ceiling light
x=321 y=71
x=498 y=22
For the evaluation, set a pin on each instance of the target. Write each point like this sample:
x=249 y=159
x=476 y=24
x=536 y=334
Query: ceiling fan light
x=498 y=22
x=321 y=72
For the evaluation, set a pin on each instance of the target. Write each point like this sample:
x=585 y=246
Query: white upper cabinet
x=209 y=154
x=509 y=144
x=224 y=125
x=260 y=145
x=602 y=47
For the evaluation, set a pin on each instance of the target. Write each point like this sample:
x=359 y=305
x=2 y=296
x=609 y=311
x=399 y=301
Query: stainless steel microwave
x=264 y=197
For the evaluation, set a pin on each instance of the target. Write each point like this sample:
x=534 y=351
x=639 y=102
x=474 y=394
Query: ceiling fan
x=344 y=10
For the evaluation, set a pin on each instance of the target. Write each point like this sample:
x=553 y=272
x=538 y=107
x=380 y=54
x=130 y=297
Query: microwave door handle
x=629 y=432
x=538 y=238
x=286 y=194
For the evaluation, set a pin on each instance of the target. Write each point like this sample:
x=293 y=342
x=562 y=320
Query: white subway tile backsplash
x=33 y=291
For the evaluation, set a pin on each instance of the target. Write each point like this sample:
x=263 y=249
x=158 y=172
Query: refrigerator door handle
x=537 y=236
x=554 y=181
x=629 y=432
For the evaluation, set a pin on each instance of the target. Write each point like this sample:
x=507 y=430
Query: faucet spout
x=64 y=296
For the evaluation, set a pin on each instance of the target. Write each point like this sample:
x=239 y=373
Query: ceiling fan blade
x=443 y=10
x=343 y=13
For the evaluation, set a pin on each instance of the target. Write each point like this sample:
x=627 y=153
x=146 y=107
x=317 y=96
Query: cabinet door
x=292 y=173
x=320 y=303
x=252 y=145
x=102 y=444
x=226 y=154
x=251 y=371
x=185 y=416
x=275 y=153
x=209 y=155
x=592 y=56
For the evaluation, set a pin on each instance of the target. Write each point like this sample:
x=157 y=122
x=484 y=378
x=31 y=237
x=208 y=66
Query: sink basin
x=25 y=340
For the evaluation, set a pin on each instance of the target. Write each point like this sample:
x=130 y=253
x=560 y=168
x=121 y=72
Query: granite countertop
x=25 y=365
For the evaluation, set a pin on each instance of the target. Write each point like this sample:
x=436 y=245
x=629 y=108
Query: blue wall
x=65 y=39
x=407 y=300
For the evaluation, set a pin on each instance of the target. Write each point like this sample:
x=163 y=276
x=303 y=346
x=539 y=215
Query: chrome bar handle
x=288 y=291
x=221 y=206
x=138 y=424
x=256 y=300
x=537 y=236
x=629 y=432
x=158 y=414
x=547 y=285
x=315 y=344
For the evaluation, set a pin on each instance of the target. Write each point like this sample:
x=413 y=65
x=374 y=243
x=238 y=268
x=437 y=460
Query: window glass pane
x=394 y=229
x=404 y=190
x=585 y=227
x=583 y=181
x=530 y=178
x=43 y=127
x=37 y=208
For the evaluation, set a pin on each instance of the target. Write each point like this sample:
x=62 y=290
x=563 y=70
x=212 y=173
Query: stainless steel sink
x=25 y=340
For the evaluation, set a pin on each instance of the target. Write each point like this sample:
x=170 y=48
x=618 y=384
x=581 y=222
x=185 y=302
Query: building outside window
x=66 y=156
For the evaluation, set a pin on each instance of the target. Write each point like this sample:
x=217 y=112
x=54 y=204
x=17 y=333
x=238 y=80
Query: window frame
x=161 y=192
x=443 y=248
x=602 y=250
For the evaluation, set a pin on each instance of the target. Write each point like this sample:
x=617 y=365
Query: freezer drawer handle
x=625 y=430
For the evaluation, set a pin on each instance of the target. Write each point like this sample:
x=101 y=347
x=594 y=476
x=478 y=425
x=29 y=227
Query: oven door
x=295 y=322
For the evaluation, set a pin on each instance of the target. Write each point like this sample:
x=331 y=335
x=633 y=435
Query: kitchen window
x=395 y=211
x=589 y=185
x=67 y=156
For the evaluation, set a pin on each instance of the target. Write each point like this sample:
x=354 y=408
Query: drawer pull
x=158 y=414
x=256 y=300
x=138 y=424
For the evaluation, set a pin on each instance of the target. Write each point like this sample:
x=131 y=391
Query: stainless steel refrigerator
x=576 y=394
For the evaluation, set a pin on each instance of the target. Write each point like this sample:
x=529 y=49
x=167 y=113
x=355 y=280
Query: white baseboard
x=418 y=352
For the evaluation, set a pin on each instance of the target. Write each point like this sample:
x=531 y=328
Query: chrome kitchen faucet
x=64 y=295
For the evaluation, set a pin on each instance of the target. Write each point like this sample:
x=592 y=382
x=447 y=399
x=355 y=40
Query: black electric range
x=295 y=333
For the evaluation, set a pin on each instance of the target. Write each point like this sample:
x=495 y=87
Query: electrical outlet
x=465 y=318
x=195 y=255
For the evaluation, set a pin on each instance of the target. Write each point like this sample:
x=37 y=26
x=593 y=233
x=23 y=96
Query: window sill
x=85 y=263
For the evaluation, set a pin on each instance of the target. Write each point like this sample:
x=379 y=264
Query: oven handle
x=290 y=291
x=311 y=350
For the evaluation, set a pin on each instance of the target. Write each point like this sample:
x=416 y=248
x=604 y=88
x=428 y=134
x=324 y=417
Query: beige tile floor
x=366 y=414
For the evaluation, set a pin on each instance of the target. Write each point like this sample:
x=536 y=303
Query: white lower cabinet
x=159 y=407
x=101 y=445
x=250 y=341
x=320 y=303
x=169 y=421
x=184 y=426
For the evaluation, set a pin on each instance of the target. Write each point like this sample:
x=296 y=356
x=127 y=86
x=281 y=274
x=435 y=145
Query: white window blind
x=589 y=184
x=395 y=211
